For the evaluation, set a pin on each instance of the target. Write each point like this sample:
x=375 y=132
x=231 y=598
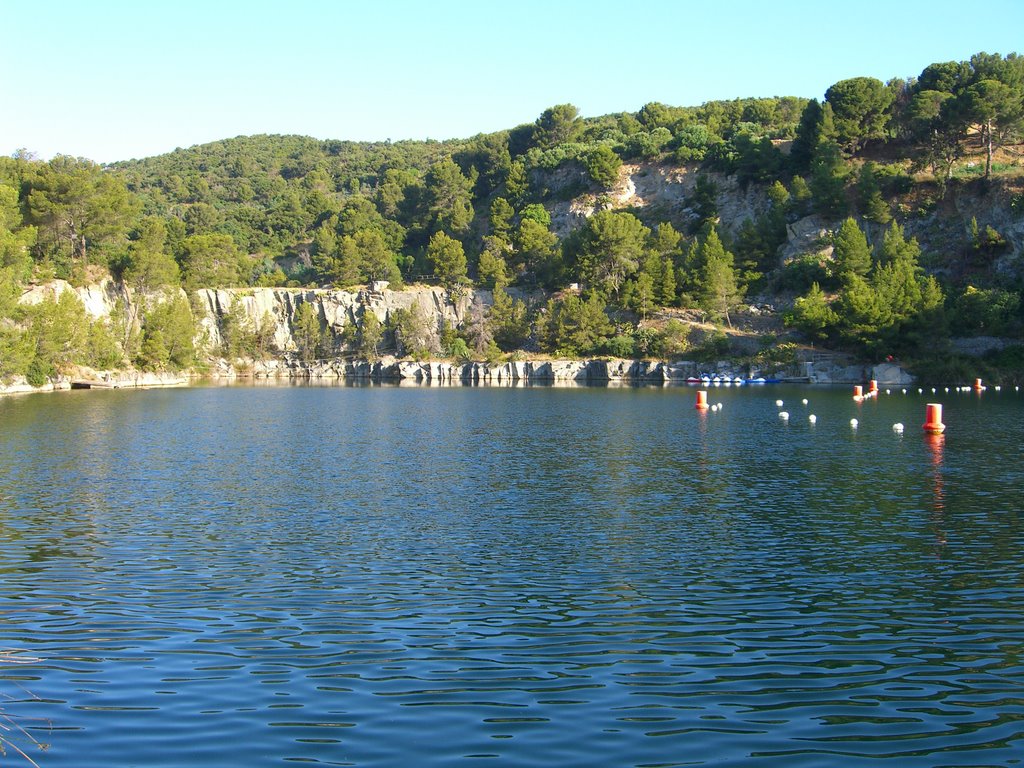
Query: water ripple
x=377 y=577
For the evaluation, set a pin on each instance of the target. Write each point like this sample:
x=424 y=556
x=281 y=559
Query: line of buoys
x=933 y=419
x=933 y=413
x=702 y=400
x=859 y=395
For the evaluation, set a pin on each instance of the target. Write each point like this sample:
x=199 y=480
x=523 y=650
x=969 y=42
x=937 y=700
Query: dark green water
x=524 y=577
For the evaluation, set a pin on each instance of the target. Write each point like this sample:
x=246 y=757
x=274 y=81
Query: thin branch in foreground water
x=7 y=722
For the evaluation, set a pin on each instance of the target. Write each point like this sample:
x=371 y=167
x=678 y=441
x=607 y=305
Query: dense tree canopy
x=503 y=211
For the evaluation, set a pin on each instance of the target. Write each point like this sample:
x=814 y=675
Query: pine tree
x=851 y=254
x=508 y=321
x=717 y=289
x=872 y=206
x=371 y=331
x=448 y=259
x=813 y=315
x=492 y=269
x=667 y=290
x=501 y=215
x=895 y=247
x=306 y=331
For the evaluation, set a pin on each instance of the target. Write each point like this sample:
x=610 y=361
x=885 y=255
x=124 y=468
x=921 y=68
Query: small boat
x=693 y=380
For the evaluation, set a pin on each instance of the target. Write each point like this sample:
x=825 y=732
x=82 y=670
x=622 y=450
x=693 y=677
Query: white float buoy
x=778 y=403
x=805 y=401
x=998 y=387
x=854 y=423
x=812 y=418
x=904 y=390
x=897 y=428
x=784 y=415
x=920 y=391
x=888 y=392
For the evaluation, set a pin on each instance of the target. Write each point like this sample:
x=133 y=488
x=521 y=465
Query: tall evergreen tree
x=612 y=246
x=828 y=171
x=851 y=253
x=448 y=259
x=717 y=287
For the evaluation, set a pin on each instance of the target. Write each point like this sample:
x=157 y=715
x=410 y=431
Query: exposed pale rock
x=888 y=373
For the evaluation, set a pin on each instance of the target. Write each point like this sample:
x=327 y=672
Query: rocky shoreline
x=545 y=371
x=391 y=370
x=97 y=380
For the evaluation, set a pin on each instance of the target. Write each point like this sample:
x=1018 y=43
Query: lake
x=537 y=576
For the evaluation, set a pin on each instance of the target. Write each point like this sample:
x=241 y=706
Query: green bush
x=38 y=372
x=621 y=345
x=800 y=273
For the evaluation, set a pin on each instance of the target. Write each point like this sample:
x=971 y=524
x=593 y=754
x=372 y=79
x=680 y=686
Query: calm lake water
x=396 y=576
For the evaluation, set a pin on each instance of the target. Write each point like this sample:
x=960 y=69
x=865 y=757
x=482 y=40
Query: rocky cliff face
x=339 y=309
x=665 y=191
x=336 y=309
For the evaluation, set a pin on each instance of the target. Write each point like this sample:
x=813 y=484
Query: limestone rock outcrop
x=337 y=309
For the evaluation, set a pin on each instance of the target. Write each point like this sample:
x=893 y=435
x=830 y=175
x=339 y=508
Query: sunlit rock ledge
x=89 y=379
x=391 y=370
x=542 y=371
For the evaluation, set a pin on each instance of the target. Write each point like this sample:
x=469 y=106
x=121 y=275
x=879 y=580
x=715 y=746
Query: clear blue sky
x=116 y=79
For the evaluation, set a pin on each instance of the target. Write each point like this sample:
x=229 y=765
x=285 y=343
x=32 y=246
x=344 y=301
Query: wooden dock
x=132 y=383
x=95 y=384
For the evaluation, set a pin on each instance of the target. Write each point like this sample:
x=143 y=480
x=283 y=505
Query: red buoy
x=978 y=386
x=702 y=400
x=873 y=388
x=858 y=391
x=933 y=419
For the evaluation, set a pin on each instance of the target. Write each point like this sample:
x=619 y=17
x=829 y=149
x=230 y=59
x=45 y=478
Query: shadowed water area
x=396 y=576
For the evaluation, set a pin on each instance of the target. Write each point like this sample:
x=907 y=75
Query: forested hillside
x=880 y=171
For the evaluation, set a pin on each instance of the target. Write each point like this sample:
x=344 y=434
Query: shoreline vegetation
x=883 y=223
